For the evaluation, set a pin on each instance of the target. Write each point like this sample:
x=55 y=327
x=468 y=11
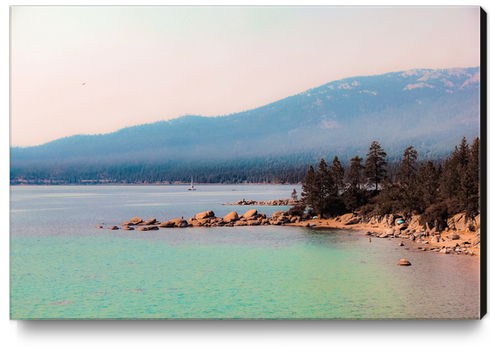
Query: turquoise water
x=64 y=268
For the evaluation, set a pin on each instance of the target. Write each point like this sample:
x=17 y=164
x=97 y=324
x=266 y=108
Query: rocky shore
x=460 y=237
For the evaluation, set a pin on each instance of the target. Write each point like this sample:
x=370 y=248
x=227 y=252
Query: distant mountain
x=429 y=109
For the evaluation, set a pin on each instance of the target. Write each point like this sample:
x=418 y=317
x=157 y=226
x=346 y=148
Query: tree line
x=434 y=191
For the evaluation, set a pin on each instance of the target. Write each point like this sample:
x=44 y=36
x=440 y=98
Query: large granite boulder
x=151 y=221
x=250 y=213
x=204 y=215
x=180 y=223
x=231 y=217
x=136 y=220
x=277 y=214
x=113 y=228
x=168 y=224
x=353 y=220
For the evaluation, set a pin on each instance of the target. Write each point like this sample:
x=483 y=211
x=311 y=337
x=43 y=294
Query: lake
x=63 y=267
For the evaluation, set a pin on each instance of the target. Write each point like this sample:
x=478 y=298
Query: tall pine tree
x=355 y=171
x=408 y=165
x=337 y=172
x=375 y=164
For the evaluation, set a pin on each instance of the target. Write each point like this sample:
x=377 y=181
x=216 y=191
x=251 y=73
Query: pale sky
x=145 y=64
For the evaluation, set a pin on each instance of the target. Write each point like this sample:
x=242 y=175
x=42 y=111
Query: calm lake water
x=62 y=267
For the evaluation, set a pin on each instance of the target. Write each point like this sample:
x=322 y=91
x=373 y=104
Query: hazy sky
x=90 y=70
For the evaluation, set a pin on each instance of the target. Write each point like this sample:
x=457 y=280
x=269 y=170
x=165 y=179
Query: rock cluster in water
x=208 y=219
x=279 y=202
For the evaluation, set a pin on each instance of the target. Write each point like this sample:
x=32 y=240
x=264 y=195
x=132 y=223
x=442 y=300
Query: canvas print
x=284 y=163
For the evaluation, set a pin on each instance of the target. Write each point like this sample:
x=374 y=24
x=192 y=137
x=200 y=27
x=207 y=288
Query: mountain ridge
x=429 y=109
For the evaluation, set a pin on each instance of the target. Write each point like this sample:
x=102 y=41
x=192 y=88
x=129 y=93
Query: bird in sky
x=83 y=83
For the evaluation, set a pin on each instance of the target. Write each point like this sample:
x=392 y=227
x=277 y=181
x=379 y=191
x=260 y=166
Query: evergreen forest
x=435 y=191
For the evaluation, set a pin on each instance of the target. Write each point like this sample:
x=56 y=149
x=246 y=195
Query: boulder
x=179 y=223
x=457 y=222
x=402 y=226
x=136 y=220
x=99 y=226
x=453 y=236
x=250 y=213
x=128 y=228
x=232 y=216
x=153 y=227
x=195 y=223
x=353 y=220
x=151 y=221
x=204 y=215
x=113 y=228
x=284 y=219
x=391 y=219
x=344 y=218
x=277 y=214
x=434 y=239
x=167 y=224
x=143 y=229
x=404 y=262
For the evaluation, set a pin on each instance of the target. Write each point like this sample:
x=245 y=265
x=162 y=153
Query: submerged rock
x=404 y=262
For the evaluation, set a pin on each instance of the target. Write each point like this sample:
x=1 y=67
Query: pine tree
x=355 y=171
x=470 y=181
x=428 y=182
x=294 y=194
x=408 y=165
x=411 y=196
x=326 y=188
x=449 y=180
x=375 y=164
x=337 y=172
x=310 y=188
x=463 y=153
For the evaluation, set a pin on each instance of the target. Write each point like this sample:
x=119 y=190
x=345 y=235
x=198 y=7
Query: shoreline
x=458 y=239
x=150 y=184
x=445 y=245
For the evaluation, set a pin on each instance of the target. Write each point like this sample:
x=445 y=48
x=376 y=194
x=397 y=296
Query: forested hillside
x=428 y=109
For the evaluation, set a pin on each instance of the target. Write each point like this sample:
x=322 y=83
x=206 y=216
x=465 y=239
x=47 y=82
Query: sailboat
x=192 y=184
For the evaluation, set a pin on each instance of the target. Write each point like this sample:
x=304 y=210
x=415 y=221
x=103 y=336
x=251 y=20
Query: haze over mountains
x=429 y=109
